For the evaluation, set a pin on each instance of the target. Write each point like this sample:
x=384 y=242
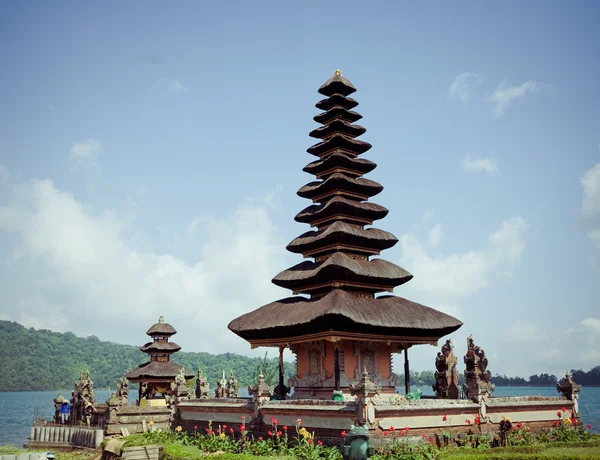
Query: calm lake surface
x=19 y=409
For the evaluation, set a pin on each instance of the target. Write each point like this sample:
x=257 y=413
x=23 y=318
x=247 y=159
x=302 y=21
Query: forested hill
x=43 y=360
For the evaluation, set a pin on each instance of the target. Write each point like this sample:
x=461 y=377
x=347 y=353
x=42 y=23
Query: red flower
x=477 y=420
x=556 y=423
x=310 y=441
x=285 y=427
x=279 y=434
x=219 y=431
x=468 y=422
x=272 y=418
x=564 y=409
x=299 y=421
x=407 y=428
x=559 y=414
x=195 y=427
x=423 y=435
x=589 y=427
x=224 y=427
x=243 y=417
x=385 y=432
x=520 y=436
x=392 y=428
x=320 y=443
x=260 y=438
x=208 y=431
x=430 y=439
x=574 y=420
x=243 y=428
x=231 y=430
x=519 y=425
x=444 y=418
x=344 y=434
x=269 y=433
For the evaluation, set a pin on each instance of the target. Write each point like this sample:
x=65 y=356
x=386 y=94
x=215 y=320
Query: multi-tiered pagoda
x=342 y=328
x=155 y=377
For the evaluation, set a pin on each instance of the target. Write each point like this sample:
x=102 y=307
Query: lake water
x=19 y=409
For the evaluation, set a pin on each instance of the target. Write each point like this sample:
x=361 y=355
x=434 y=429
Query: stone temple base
x=329 y=418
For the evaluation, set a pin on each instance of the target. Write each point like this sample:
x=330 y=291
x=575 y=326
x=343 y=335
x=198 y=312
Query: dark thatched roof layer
x=168 y=347
x=337 y=112
x=339 y=160
x=340 y=267
x=337 y=85
x=161 y=329
x=340 y=182
x=339 y=141
x=342 y=311
x=156 y=369
x=342 y=233
x=336 y=100
x=341 y=206
x=338 y=126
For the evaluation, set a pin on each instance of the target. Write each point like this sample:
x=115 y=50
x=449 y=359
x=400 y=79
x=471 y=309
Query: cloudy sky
x=150 y=154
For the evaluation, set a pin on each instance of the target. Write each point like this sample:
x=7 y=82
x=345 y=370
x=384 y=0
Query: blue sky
x=150 y=153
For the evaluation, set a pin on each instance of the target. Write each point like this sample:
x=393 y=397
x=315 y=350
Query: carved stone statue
x=83 y=399
x=232 y=386
x=220 y=391
x=478 y=383
x=570 y=390
x=365 y=391
x=202 y=386
x=446 y=375
x=58 y=402
x=123 y=391
x=261 y=393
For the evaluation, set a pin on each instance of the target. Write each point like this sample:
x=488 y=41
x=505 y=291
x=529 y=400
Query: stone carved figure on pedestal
x=478 y=384
x=58 y=402
x=261 y=393
x=221 y=389
x=446 y=374
x=83 y=399
x=202 y=386
x=570 y=390
x=123 y=391
x=365 y=391
x=232 y=387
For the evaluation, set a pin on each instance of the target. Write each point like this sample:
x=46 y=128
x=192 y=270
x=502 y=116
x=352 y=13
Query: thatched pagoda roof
x=340 y=182
x=340 y=269
x=343 y=234
x=343 y=279
x=339 y=141
x=157 y=370
x=337 y=162
x=340 y=206
x=337 y=85
x=158 y=347
x=342 y=312
x=337 y=112
x=161 y=328
x=336 y=100
x=337 y=126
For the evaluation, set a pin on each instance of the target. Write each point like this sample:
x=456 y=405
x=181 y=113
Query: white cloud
x=88 y=150
x=463 y=86
x=171 y=85
x=435 y=236
x=486 y=165
x=504 y=95
x=452 y=277
x=78 y=270
x=590 y=205
x=593 y=323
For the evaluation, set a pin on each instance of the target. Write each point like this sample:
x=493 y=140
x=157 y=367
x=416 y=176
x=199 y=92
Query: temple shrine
x=337 y=325
x=156 y=376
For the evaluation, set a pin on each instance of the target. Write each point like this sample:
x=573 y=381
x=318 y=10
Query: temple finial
x=161 y=319
x=337 y=73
